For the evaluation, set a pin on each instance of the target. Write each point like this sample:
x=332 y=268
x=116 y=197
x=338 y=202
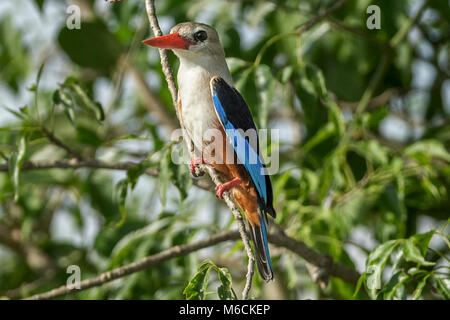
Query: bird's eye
x=200 y=35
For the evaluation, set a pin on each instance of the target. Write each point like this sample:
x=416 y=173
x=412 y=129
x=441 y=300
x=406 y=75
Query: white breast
x=197 y=109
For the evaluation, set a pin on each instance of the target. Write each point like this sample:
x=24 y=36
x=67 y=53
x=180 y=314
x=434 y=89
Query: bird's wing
x=236 y=118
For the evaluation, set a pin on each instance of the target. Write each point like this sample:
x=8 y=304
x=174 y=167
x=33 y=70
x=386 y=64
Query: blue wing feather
x=236 y=118
x=244 y=151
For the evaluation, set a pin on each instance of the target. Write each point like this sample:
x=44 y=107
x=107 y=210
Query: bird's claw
x=221 y=188
x=194 y=167
x=219 y=191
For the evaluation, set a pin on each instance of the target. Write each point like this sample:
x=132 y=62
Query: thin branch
x=59 y=143
x=311 y=23
x=373 y=84
x=320 y=260
x=94 y=164
x=403 y=32
x=147 y=262
x=277 y=238
x=76 y=164
x=336 y=24
x=375 y=102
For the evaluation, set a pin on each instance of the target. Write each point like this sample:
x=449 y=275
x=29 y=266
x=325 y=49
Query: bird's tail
x=262 y=255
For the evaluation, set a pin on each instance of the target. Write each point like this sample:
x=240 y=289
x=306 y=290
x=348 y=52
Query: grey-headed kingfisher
x=208 y=100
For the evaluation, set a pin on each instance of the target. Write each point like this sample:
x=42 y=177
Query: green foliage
x=364 y=149
x=410 y=269
x=197 y=287
x=92 y=46
x=14 y=57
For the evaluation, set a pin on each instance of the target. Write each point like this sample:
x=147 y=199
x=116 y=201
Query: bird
x=217 y=120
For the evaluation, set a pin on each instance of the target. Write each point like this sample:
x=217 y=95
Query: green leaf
x=286 y=74
x=181 y=178
x=422 y=241
x=60 y=97
x=39 y=75
x=375 y=264
x=358 y=285
x=418 y=291
x=88 y=135
x=426 y=149
x=371 y=150
x=412 y=253
x=93 y=46
x=15 y=164
x=121 y=191
x=196 y=288
x=443 y=286
x=225 y=290
x=395 y=289
x=316 y=76
x=235 y=64
x=375 y=117
x=392 y=201
x=24 y=110
x=312 y=93
x=134 y=172
x=19 y=115
x=324 y=133
x=83 y=100
x=335 y=115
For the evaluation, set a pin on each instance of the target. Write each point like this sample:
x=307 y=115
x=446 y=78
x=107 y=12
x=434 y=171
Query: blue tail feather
x=262 y=254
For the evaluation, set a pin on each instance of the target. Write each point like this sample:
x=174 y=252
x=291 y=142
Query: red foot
x=195 y=163
x=221 y=188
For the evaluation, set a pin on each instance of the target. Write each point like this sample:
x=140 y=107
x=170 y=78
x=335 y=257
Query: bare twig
x=94 y=164
x=323 y=261
x=376 y=101
x=76 y=164
x=336 y=24
x=321 y=16
x=277 y=238
x=50 y=136
x=147 y=262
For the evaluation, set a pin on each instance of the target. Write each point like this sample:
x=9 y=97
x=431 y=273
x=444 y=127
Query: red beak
x=170 y=41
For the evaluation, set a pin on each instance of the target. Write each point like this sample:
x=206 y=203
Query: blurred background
x=364 y=122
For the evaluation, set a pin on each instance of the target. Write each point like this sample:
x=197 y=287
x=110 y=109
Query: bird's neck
x=201 y=69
